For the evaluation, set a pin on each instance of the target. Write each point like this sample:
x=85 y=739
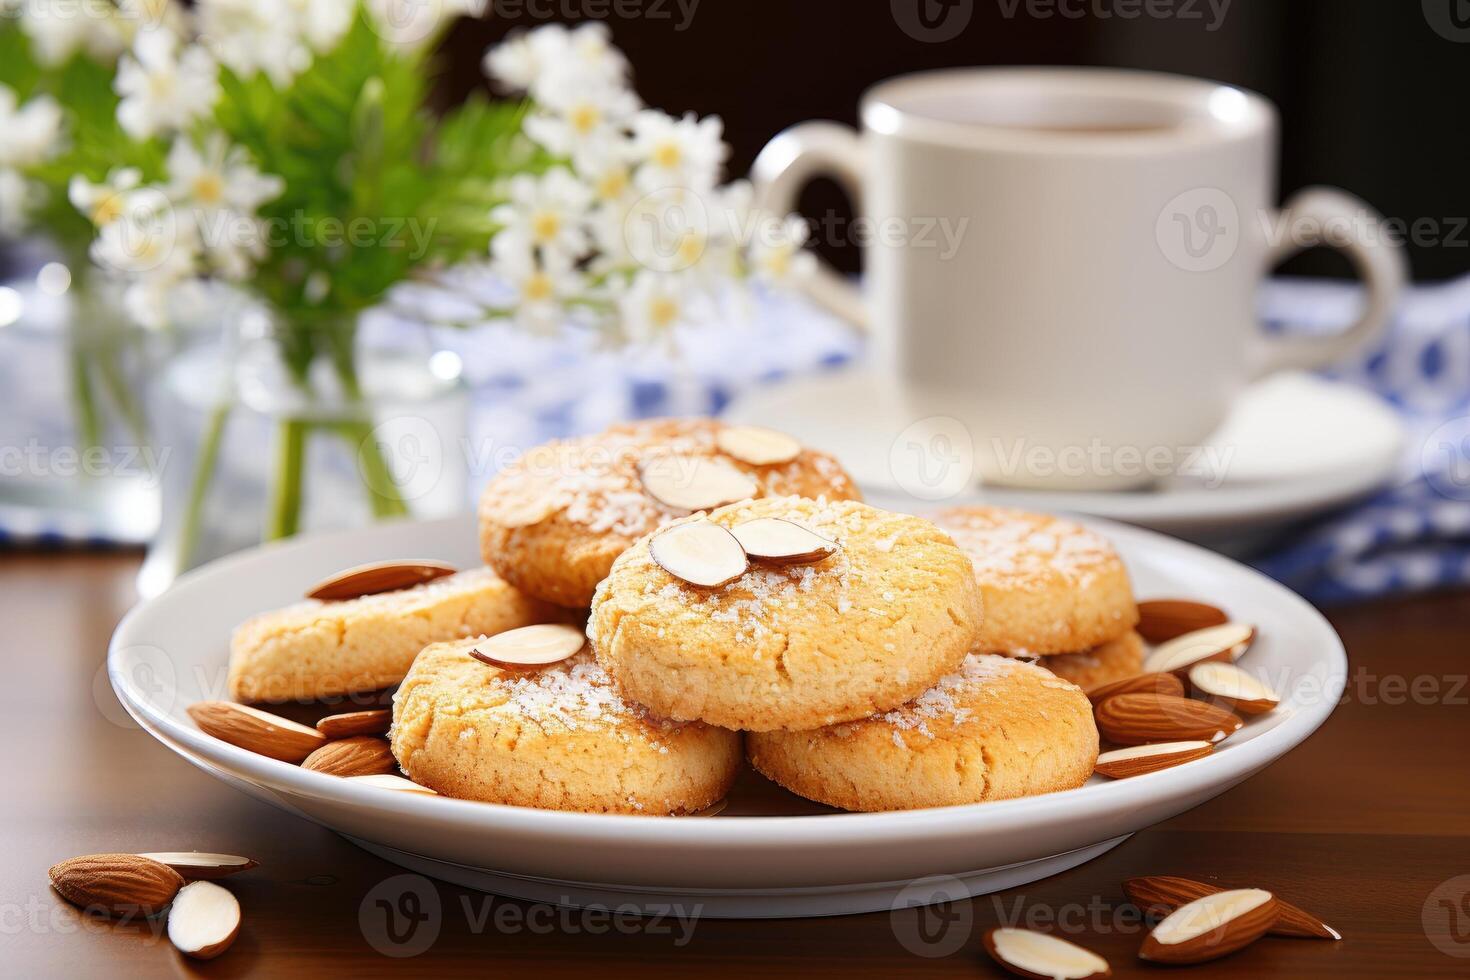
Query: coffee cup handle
x=788 y=162
x=1381 y=264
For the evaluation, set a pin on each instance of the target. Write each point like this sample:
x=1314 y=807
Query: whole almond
x=118 y=884
x=1210 y=927
x=1163 y=619
x=374 y=722
x=378 y=577
x=1138 y=719
x=1158 y=895
x=258 y=731
x=361 y=755
x=1142 y=684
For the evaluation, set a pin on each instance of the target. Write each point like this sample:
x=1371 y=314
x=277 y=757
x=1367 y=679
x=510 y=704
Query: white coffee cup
x=1066 y=260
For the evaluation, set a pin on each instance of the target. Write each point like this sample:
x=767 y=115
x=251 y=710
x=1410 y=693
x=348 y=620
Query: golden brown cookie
x=796 y=646
x=559 y=738
x=995 y=729
x=1112 y=661
x=1050 y=585
x=553 y=521
x=319 y=649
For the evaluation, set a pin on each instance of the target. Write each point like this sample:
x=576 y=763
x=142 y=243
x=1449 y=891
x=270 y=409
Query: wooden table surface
x=1367 y=824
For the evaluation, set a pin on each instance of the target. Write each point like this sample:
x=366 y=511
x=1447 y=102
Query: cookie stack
x=739 y=601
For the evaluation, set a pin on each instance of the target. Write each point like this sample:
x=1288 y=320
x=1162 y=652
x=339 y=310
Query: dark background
x=1372 y=95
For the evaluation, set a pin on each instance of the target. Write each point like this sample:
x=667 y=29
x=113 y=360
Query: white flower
x=219 y=177
x=685 y=152
x=250 y=36
x=162 y=89
x=653 y=305
x=777 y=256
x=150 y=238
x=542 y=281
x=322 y=23
x=524 y=60
x=18 y=198
x=550 y=212
x=104 y=203
x=58 y=30
x=30 y=133
x=580 y=115
x=412 y=22
x=231 y=243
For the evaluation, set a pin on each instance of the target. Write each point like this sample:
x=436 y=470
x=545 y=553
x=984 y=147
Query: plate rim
x=889 y=827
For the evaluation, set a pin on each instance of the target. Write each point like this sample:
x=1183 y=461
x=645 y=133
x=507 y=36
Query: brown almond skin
x=1164 y=619
x=1158 y=895
x=384 y=576
x=988 y=940
x=117 y=884
x=226 y=722
x=1228 y=938
x=1139 y=719
x=374 y=722
x=1139 y=767
x=1142 y=684
x=361 y=755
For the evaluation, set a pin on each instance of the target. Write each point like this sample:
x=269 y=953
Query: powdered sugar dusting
x=576 y=694
x=940 y=701
x=1012 y=546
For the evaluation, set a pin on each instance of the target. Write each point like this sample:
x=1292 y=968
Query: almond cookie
x=319 y=649
x=995 y=729
x=559 y=738
x=797 y=645
x=1050 y=585
x=553 y=521
x=1114 y=660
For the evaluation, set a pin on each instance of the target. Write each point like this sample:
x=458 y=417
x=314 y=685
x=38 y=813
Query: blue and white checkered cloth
x=1413 y=536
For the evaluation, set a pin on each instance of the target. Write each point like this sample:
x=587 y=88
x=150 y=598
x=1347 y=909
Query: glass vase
x=276 y=432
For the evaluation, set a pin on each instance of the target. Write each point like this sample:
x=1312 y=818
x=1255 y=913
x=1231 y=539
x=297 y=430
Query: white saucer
x=767 y=854
x=1294 y=445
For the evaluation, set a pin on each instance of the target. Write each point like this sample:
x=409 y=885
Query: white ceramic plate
x=172 y=650
x=1294 y=445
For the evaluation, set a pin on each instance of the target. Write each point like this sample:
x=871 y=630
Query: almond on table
x=204 y=920
x=1161 y=894
x=1039 y=956
x=117 y=884
x=1211 y=927
x=201 y=865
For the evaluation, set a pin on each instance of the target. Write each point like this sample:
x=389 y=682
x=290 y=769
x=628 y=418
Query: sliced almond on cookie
x=1139 y=759
x=1211 y=927
x=757 y=446
x=782 y=542
x=1142 y=684
x=1139 y=719
x=700 y=552
x=378 y=577
x=530 y=647
x=201 y=865
x=1232 y=687
x=1225 y=643
x=203 y=921
x=1160 y=620
x=1039 y=956
x=258 y=731
x=377 y=721
x=693 y=483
